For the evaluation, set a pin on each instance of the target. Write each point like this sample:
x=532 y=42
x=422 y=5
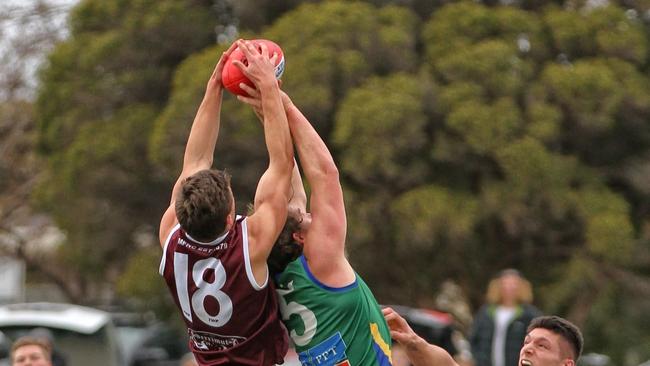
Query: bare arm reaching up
x=298 y=197
x=199 y=151
x=272 y=192
x=324 y=244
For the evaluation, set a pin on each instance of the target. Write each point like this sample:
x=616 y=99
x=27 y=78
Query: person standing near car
x=31 y=351
x=500 y=325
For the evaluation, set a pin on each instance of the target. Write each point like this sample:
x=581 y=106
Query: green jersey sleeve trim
x=313 y=279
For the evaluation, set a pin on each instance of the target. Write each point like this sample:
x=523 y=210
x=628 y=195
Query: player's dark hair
x=286 y=249
x=203 y=203
x=563 y=328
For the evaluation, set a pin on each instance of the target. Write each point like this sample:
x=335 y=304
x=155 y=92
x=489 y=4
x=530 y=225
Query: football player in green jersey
x=329 y=311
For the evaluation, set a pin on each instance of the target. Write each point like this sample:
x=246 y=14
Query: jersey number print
x=204 y=289
x=307 y=316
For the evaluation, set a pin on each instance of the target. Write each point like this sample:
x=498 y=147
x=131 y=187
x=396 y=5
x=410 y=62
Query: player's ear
x=569 y=362
x=299 y=237
x=230 y=220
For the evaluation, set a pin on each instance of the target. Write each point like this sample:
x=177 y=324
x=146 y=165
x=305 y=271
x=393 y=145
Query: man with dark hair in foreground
x=550 y=341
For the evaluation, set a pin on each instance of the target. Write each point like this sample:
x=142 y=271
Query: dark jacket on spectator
x=483 y=332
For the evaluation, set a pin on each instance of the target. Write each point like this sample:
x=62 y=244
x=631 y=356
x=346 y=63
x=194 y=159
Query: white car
x=85 y=336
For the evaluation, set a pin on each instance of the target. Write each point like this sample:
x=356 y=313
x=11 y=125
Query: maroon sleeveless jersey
x=231 y=319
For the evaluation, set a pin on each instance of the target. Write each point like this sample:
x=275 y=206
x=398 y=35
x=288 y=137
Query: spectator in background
x=58 y=359
x=31 y=351
x=500 y=325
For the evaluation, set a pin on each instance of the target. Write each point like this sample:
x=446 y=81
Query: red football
x=231 y=76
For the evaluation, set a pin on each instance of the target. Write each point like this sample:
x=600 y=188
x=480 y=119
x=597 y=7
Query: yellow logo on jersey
x=376 y=336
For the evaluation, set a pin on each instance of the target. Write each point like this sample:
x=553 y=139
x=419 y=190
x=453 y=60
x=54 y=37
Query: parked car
x=434 y=326
x=146 y=341
x=85 y=336
x=5 y=346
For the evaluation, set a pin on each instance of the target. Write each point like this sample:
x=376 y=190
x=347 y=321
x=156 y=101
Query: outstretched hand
x=254 y=99
x=418 y=350
x=215 y=79
x=259 y=68
x=399 y=328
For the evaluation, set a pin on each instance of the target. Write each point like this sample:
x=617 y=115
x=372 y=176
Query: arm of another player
x=272 y=192
x=328 y=225
x=199 y=151
x=419 y=352
x=325 y=241
x=298 y=197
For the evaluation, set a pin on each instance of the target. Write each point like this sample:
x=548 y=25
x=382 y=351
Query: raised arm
x=325 y=240
x=199 y=151
x=297 y=195
x=418 y=351
x=273 y=191
x=326 y=200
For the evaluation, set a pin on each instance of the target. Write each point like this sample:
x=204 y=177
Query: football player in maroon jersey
x=214 y=262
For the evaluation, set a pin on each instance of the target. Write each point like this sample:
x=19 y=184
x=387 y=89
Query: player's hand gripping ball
x=231 y=76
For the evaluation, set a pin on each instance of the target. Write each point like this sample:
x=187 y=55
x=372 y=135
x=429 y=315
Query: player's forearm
x=276 y=128
x=421 y=353
x=317 y=161
x=199 y=151
x=298 y=196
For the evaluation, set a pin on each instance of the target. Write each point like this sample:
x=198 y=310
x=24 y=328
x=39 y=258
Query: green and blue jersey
x=341 y=326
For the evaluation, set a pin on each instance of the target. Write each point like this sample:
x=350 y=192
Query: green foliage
x=172 y=128
x=100 y=92
x=588 y=90
x=433 y=217
x=452 y=97
x=139 y=283
x=386 y=113
x=544 y=121
x=98 y=71
x=485 y=127
x=603 y=32
x=339 y=45
x=459 y=26
x=529 y=168
x=494 y=65
x=609 y=233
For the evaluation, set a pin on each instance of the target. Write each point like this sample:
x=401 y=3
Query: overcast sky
x=28 y=2
x=16 y=29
